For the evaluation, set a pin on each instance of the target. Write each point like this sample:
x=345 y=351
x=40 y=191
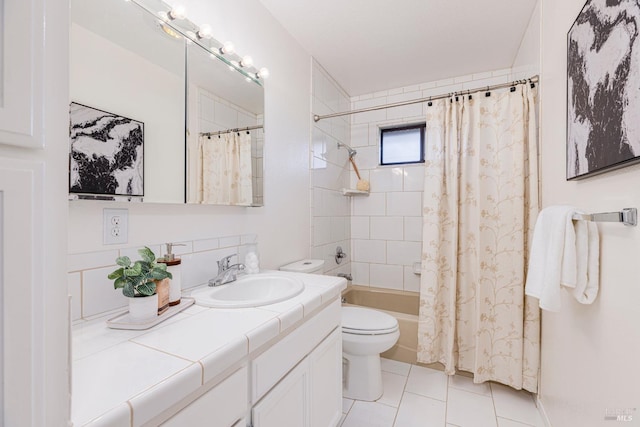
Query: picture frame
x=106 y=156
x=603 y=100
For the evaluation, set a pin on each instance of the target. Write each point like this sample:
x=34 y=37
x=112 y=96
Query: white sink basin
x=249 y=291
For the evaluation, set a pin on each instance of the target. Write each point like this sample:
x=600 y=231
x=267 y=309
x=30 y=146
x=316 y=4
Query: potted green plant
x=138 y=281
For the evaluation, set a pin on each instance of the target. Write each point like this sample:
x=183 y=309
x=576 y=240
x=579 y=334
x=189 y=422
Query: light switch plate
x=115 y=226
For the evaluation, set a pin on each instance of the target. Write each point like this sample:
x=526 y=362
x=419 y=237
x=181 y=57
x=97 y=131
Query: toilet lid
x=359 y=320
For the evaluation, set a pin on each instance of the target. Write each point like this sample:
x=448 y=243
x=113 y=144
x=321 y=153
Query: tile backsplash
x=92 y=293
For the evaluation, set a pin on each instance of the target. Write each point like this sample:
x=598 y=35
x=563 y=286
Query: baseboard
x=543 y=413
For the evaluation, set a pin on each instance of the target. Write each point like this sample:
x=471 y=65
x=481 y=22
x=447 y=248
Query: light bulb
x=169 y=31
x=227 y=48
x=178 y=12
x=247 y=61
x=204 y=32
x=263 y=73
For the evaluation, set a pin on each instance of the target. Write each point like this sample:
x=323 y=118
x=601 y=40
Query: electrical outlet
x=116 y=226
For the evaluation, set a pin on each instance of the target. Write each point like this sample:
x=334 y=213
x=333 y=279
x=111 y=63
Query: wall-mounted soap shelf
x=351 y=192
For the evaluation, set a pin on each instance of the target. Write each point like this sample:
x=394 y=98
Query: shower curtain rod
x=220 y=132
x=317 y=118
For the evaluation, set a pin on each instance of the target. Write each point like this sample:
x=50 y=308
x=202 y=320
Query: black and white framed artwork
x=603 y=88
x=107 y=153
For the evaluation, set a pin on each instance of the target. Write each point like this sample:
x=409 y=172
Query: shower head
x=350 y=150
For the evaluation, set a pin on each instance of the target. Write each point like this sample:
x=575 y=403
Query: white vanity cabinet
x=266 y=368
x=310 y=395
x=288 y=403
x=297 y=382
x=325 y=382
x=221 y=406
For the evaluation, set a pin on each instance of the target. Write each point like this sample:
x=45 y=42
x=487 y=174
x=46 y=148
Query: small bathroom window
x=402 y=145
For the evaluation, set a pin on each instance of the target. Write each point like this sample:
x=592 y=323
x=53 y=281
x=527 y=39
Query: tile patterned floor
x=415 y=396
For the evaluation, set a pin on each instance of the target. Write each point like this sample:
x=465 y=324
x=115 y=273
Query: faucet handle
x=223 y=264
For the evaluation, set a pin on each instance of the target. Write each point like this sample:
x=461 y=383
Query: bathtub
x=400 y=304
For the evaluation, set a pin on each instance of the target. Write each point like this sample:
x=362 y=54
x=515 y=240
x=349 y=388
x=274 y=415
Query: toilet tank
x=313 y=266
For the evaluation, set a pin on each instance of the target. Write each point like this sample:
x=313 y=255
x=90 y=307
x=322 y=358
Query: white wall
x=528 y=57
x=140 y=90
x=589 y=352
x=282 y=225
x=329 y=174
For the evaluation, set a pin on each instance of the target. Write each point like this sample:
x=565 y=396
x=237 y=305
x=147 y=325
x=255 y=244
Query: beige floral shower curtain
x=220 y=170
x=480 y=205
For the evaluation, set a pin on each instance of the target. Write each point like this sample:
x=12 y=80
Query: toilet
x=365 y=334
x=311 y=266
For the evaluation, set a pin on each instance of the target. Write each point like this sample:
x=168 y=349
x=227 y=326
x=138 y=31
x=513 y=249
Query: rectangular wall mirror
x=156 y=117
x=225 y=133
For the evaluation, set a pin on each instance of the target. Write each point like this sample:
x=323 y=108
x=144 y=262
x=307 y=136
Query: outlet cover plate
x=115 y=226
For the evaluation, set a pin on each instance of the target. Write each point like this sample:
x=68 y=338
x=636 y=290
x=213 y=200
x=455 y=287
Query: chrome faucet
x=227 y=272
x=346 y=276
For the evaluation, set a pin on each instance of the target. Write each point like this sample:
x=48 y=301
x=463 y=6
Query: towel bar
x=628 y=216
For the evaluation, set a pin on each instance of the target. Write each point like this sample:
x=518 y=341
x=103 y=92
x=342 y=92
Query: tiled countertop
x=122 y=373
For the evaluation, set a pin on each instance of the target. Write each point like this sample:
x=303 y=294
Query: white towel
x=563 y=254
x=588 y=262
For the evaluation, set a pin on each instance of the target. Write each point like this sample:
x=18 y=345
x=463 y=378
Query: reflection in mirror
x=124 y=63
x=225 y=133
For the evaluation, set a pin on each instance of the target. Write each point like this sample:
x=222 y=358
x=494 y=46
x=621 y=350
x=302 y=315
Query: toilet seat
x=366 y=321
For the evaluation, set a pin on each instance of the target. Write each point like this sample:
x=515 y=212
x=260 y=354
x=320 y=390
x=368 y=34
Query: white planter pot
x=143 y=308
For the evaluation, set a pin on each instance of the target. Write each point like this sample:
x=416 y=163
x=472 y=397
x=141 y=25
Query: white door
x=21 y=65
x=286 y=405
x=325 y=366
x=20 y=292
x=34 y=130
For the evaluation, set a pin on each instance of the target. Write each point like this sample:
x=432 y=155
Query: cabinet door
x=221 y=406
x=286 y=405
x=21 y=292
x=325 y=366
x=21 y=72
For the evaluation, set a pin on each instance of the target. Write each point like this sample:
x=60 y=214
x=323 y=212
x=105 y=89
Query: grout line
x=395 y=418
x=404 y=387
x=515 y=421
x=493 y=402
x=426 y=397
x=446 y=401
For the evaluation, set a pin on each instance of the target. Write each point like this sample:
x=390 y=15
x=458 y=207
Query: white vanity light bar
x=176 y=18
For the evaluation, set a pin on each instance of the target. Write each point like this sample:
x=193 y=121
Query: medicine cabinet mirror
x=154 y=111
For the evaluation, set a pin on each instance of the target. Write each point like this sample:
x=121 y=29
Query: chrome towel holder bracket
x=627 y=216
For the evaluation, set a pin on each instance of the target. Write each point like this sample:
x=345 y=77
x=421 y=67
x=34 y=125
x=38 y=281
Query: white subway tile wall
x=92 y=293
x=98 y=294
x=330 y=173
x=386 y=226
